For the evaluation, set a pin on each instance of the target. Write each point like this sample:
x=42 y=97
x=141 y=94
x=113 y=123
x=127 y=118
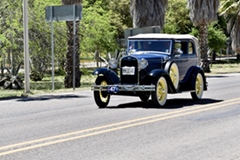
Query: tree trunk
x=214 y=54
x=238 y=57
x=68 y=82
x=148 y=12
x=203 y=45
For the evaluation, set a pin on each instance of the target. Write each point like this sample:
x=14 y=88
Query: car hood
x=150 y=55
x=155 y=60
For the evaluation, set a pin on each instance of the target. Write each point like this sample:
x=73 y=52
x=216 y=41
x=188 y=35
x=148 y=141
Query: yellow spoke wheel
x=159 y=96
x=101 y=97
x=174 y=74
x=102 y=94
x=197 y=94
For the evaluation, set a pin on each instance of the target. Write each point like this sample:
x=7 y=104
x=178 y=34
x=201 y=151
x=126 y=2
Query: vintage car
x=154 y=65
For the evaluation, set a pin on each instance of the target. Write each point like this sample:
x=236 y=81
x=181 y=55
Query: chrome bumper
x=123 y=88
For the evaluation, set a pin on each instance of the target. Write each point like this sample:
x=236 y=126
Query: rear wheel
x=197 y=94
x=159 y=96
x=101 y=97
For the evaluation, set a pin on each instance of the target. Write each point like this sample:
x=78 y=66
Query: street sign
x=64 y=13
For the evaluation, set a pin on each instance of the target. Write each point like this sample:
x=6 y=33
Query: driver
x=165 y=46
x=145 y=45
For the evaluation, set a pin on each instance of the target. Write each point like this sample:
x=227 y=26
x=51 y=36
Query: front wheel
x=197 y=94
x=159 y=96
x=101 y=97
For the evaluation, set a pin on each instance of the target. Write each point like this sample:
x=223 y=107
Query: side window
x=190 y=48
x=181 y=46
x=177 y=47
x=184 y=47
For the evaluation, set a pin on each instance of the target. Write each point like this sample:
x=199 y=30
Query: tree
x=119 y=17
x=202 y=13
x=97 y=32
x=11 y=37
x=68 y=81
x=40 y=38
x=180 y=23
x=216 y=38
x=148 y=13
x=231 y=10
x=177 y=19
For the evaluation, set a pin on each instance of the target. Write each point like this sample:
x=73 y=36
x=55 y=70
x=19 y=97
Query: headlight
x=142 y=63
x=113 y=63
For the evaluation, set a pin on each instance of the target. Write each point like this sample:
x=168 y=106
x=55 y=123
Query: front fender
x=156 y=73
x=109 y=74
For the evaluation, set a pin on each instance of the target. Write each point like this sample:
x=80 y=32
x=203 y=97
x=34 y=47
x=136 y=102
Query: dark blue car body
x=150 y=69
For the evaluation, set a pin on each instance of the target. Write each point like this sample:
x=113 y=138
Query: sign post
x=26 y=47
x=64 y=13
x=52 y=49
x=74 y=48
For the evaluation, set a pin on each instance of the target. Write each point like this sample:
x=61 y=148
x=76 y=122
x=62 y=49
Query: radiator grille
x=129 y=62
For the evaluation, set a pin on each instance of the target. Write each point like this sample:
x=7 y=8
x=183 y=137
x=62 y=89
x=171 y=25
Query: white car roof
x=164 y=36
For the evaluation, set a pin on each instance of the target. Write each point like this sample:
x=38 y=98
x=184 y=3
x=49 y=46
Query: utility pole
x=26 y=47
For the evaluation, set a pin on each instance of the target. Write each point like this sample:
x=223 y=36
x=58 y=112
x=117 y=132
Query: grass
x=225 y=68
x=45 y=86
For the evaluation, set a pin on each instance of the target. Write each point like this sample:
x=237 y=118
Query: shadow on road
x=41 y=98
x=216 y=76
x=9 y=98
x=171 y=104
x=49 y=97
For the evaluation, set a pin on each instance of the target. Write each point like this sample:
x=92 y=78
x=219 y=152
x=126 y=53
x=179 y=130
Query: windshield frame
x=162 y=46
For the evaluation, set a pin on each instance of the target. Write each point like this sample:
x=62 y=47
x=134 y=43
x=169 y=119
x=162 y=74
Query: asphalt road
x=69 y=126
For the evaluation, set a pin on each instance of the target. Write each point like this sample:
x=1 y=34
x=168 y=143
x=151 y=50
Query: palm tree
x=68 y=82
x=148 y=12
x=202 y=13
x=231 y=10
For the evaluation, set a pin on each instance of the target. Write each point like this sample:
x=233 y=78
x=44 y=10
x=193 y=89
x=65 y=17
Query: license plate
x=113 y=89
x=128 y=70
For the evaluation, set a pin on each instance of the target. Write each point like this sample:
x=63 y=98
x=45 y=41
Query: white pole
x=52 y=48
x=74 y=44
x=26 y=47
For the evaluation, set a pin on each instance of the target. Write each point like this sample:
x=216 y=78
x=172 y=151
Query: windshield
x=150 y=45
